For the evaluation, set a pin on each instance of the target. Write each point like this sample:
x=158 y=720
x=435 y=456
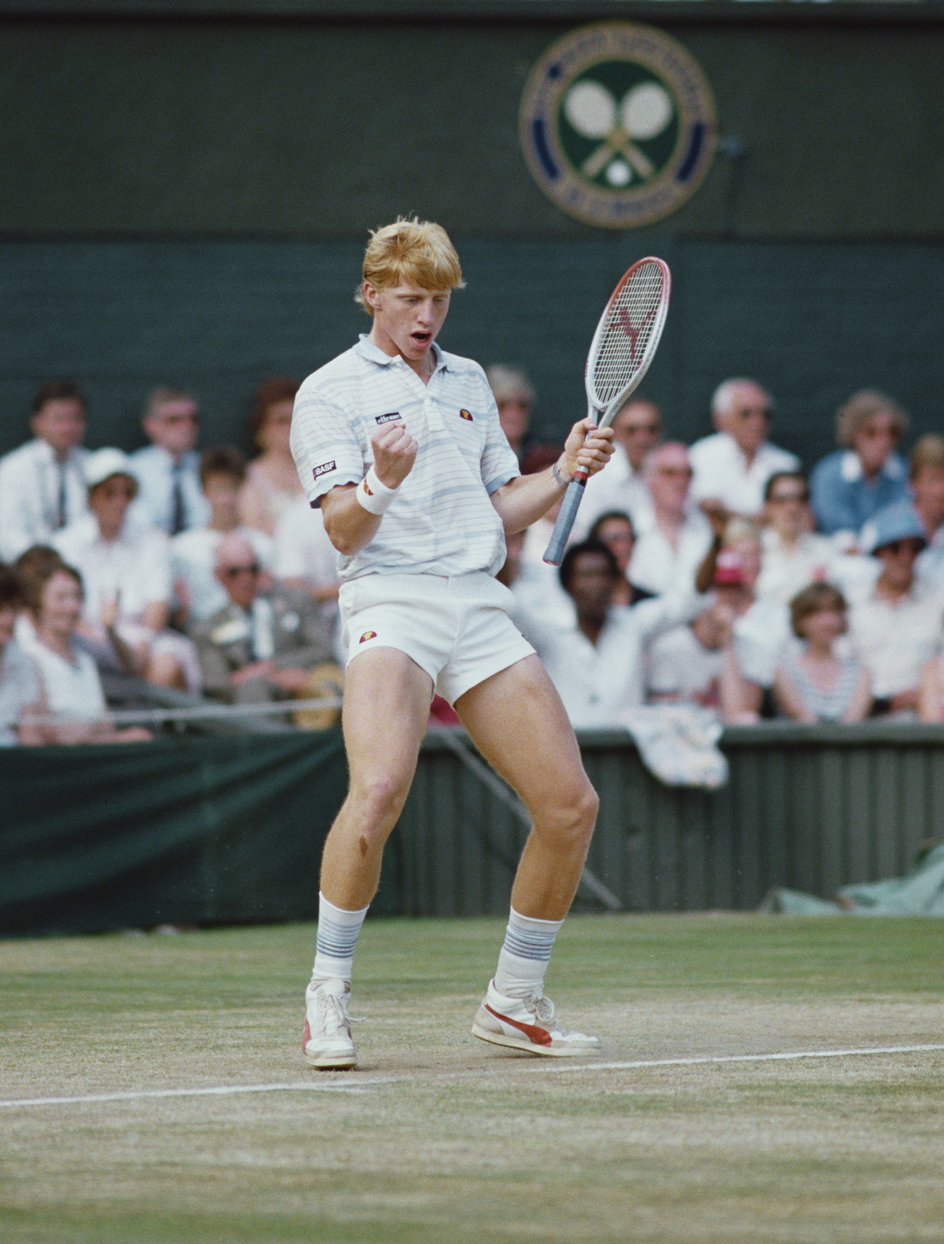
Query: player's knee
x=380 y=799
x=574 y=818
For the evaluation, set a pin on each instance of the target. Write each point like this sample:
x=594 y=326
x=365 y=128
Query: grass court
x=763 y=1078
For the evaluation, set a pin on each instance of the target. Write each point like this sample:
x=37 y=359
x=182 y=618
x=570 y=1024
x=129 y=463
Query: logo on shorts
x=367 y=635
x=617 y=124
x=389 y=417
x=466 y=414
x=324 y=468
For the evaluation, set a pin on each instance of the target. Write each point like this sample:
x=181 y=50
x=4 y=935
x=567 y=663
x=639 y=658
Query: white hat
x=104 y=463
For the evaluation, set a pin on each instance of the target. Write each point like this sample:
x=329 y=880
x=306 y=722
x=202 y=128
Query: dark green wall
x=186 y=200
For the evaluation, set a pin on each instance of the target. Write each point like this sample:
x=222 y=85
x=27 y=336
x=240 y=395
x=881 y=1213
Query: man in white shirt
x=637 y=430
x=42 y=483
x=793 y=555
x=400 y=444
x=168 y=470
x=734 y=463
x=672 y=537
x=598 y=661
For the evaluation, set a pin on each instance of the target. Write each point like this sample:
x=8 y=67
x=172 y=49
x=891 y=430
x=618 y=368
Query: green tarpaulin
x=919 y=893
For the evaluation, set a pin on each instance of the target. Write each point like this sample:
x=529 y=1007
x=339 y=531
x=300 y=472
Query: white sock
x=525 y=954
x=338 y=931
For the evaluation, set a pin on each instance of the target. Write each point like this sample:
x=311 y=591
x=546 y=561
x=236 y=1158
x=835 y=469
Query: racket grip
x=554 y=553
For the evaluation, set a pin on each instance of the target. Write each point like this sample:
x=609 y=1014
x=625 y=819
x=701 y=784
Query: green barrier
x=189 y=831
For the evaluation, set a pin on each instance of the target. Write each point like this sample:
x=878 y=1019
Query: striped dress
x=824 y=705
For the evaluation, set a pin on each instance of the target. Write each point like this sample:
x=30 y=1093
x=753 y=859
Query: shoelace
x=333 y=1017
x=542 y=1008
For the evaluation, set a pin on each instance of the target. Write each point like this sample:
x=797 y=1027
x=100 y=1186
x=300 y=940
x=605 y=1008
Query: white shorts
x=458 y=630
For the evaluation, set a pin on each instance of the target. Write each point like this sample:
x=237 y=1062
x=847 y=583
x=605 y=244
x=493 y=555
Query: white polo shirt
x=441 y=521
x=721 y=470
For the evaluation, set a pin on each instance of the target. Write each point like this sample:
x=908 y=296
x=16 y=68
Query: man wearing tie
x=42 y=483
x=168 y=469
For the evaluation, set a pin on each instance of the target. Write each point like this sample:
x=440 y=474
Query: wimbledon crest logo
x=617 y=124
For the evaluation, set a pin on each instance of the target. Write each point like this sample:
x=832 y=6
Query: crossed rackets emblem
x=617 y=126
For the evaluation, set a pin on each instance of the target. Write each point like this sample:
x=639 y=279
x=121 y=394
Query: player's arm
x=353 y=512
x=525 y=498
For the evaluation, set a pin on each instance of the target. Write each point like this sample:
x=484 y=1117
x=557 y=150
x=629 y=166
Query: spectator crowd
x=724 y=573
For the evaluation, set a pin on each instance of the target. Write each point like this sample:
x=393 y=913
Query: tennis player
x=399 y=443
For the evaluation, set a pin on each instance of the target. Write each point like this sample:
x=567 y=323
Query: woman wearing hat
x=124 y=562
x=896 y=624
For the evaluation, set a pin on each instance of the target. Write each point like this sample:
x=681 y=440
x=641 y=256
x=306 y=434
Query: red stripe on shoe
x=538 y=1036
x=306 y=1035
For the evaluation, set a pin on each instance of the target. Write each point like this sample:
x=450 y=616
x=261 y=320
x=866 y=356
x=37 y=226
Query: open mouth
x=421 y=339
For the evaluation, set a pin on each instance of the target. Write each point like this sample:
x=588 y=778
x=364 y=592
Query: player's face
x=407 y=320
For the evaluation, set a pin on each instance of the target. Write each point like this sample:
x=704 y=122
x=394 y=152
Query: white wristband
x=374 y=496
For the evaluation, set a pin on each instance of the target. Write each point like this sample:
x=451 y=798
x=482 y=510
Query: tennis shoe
x=327 y=1042
x=528 y=1024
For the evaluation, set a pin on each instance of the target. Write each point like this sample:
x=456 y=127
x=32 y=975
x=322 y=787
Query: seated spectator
x=615 y=529
x=637 y=430
x=272 y=484
x=597 y=661
x=760 y=626
x=197 y=590
x=686 y=664
x=70 y=680
x=167 y=469
x=21 y=697
x=792 y=554
x=813 y=683
x=125 y=567
x=42 y=486
x=539 y=582
x=926 y=478
x=895 y=625
x=514 y=396
x=305 y=558
x=264 y=645
x=734 y=463
x=672 y=536
x=853 y=483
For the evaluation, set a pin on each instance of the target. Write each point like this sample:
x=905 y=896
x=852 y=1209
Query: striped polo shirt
x=441 y=521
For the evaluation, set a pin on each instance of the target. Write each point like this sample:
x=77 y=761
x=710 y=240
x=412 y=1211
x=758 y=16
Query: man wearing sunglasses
x=734 y=463
x=264 y=643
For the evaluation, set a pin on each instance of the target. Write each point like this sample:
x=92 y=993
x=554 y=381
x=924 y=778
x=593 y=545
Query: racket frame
x=602 y=413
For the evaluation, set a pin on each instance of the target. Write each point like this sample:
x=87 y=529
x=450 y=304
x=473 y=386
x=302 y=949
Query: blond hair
x=410 y=252
x=860 y=407
x=928 y=452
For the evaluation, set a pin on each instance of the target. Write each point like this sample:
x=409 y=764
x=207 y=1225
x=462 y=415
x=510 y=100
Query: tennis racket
x=622 y=348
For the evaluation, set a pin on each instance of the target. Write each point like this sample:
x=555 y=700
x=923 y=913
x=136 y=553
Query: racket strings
x=630 y=333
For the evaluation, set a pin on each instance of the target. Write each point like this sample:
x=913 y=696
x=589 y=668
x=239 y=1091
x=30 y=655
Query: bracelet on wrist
x=556 y=472
x=373 y=495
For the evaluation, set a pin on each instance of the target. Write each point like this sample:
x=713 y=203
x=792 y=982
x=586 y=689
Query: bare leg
x=517 y=721
x=386 y=708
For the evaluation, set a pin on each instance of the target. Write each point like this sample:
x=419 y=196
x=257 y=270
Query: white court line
x=361 y=1083
x=784 y=1056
